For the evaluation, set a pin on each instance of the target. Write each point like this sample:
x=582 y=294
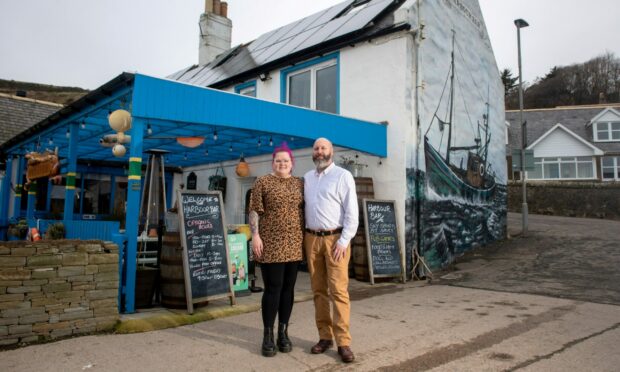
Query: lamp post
x=520 y=23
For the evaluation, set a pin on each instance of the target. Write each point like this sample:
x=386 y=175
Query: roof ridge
x=575 y=107
x=12 y=96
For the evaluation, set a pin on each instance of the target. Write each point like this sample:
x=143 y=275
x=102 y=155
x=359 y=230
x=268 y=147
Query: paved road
x=562 y=257
x=442 y=326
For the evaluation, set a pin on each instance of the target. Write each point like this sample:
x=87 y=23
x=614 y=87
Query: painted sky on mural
x=87 y=42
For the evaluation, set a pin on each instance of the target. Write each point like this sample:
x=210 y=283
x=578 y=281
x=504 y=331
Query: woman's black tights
x=279 y=279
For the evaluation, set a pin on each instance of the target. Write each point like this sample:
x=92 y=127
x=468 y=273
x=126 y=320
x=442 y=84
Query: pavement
x=547 y=301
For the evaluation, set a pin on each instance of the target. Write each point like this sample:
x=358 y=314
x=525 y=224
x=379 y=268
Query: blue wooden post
x=71 y=171
x=17 y=203
x=5 y=195
x=134 y=185
x=32 y=201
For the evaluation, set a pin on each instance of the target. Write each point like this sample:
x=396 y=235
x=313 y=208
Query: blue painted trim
x=71 y=168
x=287 y=71
x=32 y=200
x=48 y=201
x=131 y=219
x=248 y=84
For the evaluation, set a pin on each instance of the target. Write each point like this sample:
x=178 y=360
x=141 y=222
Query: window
x=610 y=168
x=564 y=168
x=607 y=132
x=247 y=89
x=313 y=84
x=96 y=195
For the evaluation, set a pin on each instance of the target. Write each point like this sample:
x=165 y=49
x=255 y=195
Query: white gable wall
x=608 y=116
x=561 y=143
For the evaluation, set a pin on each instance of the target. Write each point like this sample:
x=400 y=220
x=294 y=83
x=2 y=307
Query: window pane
x=57 y=204
x=536 y=174
x=568 y=170
x=615 y=126
x=41 y=196
x=615 y=135
x=552 y=170
x=299 y=89
x=585 y=170
x=608 y=173
x=326 y=89
x=249 y=91
x=608 y=161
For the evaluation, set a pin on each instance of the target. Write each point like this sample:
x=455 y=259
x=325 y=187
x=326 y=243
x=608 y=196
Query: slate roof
x=317 y=34
x=575 y=118
x=18 y=114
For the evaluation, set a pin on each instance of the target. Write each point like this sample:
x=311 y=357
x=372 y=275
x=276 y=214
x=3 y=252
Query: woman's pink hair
x=283 y=148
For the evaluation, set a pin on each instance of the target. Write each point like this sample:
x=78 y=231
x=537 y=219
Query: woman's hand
x=257 y=246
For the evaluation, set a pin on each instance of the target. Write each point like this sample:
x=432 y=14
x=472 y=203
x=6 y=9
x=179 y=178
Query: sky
x=86 y=43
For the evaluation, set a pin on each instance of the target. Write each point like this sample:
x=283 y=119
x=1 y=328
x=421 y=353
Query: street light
x=520 y=23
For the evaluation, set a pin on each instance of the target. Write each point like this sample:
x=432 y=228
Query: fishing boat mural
x=456 y=181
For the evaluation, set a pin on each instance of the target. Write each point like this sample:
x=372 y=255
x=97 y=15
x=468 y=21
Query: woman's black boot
x=284 y=343
x=269 y=347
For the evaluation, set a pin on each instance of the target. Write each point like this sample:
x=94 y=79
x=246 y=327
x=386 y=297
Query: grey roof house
x=569 y=143
x=20 y=113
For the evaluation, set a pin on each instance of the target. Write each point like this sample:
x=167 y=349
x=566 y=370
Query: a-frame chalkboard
x=385 y=254
x=205 y=247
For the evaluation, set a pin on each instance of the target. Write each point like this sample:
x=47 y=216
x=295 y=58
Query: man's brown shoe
x=321 y=346
x=346 y=354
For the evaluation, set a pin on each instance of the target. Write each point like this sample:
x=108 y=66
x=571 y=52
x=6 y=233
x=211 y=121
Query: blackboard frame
x=188 y=283
x=401 y=252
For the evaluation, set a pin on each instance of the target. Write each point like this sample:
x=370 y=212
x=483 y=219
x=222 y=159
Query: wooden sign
x=385 y=255
x=205 y=247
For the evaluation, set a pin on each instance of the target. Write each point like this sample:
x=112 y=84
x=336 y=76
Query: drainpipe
x=418 y=36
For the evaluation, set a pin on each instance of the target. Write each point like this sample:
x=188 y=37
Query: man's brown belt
x=324 y=232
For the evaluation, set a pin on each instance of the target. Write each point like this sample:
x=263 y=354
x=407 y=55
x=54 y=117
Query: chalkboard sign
x=385 y=256
x=205 y=247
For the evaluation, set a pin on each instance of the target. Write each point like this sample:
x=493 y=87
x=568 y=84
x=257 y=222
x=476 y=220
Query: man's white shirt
x=331 y=201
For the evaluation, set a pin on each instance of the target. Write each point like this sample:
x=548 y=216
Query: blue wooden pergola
x=163 y=110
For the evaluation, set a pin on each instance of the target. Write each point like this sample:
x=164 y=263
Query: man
x=331 y=222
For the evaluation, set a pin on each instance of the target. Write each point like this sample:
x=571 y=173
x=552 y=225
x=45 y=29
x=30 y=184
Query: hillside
x=43 y=92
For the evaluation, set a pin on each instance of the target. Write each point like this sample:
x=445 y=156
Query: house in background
x=576 y=143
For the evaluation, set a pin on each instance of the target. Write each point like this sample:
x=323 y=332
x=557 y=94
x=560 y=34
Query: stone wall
x=56 y=288
x=572 y=199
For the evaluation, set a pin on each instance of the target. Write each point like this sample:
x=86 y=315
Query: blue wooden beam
x=134 y=185
x=5 y=195
x=71 y=171
x=19 y=176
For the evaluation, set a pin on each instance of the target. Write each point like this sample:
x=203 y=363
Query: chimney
x=215 y=31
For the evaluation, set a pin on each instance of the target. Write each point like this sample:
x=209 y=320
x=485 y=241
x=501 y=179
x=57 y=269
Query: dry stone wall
x=57 y=288
x=571 y=199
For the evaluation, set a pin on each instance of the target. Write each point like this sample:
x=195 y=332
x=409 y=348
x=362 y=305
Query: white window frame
x=313 y=70
x=559 y=161
x=616 y=165
x=610 y=132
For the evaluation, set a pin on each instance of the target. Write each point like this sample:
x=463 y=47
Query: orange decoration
x=190 y=141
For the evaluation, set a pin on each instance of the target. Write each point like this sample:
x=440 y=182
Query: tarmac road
x=510 y=321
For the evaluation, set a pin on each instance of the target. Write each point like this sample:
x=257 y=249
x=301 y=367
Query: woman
x=276 y=222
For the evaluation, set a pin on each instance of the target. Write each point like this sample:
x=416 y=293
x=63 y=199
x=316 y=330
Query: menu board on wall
x=385 y=255
x=205 y=247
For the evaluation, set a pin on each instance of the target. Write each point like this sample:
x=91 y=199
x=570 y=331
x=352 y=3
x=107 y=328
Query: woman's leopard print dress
x=279 y=204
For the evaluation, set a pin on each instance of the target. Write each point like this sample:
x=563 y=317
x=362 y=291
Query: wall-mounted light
x=68 y=133
x=264 y=76
x=230 y=148
x=215 y=135
x=259 y=142
x=83 y=124
x=185 y=156
x=149 y=129
x=270 y=141
x=206 y=152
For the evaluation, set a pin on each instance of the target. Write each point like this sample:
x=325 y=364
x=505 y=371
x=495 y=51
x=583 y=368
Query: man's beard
x=322 y=163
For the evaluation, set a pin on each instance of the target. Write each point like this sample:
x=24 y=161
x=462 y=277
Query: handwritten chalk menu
x=205 y=247
x=385 y=256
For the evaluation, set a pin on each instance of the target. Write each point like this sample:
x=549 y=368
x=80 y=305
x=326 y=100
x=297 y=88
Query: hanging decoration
x=243 y=169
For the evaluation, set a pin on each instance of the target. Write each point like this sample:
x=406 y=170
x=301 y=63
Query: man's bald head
x=322 y=153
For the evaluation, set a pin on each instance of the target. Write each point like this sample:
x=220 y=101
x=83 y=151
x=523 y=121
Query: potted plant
x=56 y=231
x=17 y=230
x=352 y=164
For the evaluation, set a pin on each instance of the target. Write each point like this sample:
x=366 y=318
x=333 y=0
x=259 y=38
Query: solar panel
x=293 y=37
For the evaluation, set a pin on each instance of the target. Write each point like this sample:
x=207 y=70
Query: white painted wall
x=561 y=143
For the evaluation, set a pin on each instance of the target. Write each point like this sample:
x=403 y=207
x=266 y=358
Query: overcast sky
x=85 y=43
